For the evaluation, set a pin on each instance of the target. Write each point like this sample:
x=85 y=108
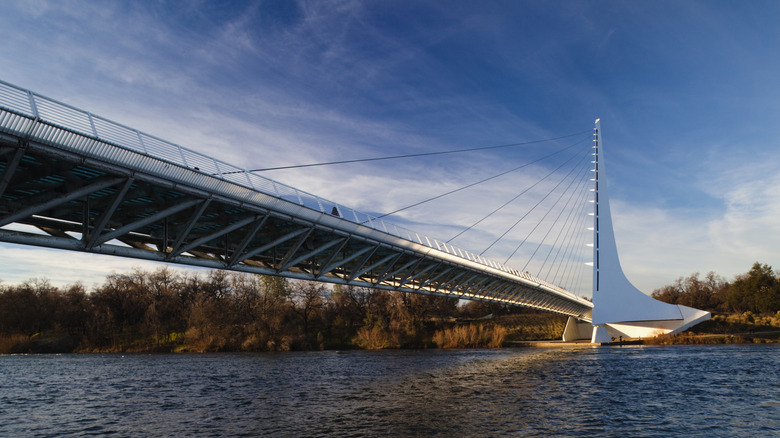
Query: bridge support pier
x=576 y=330
x=600 y=335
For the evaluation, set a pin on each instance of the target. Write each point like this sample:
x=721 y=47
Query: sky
x=687 y=93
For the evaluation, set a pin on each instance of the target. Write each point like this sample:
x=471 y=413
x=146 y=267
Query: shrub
x=470 y=336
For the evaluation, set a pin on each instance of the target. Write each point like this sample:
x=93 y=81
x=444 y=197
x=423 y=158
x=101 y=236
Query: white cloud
x=749 y=229
x=658 y=245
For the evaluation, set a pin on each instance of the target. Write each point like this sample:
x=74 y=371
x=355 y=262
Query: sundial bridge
x=76 y=181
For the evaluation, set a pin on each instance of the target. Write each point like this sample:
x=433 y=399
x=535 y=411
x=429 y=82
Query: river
x=651 y=391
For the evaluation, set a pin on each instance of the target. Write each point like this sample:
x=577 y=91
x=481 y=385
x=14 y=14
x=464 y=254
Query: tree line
x=166 y=310
x=757 y=291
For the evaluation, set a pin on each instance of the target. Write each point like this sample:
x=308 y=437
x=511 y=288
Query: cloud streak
x=308 y=81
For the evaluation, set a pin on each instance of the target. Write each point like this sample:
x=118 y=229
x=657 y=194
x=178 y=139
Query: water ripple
x=623 y=392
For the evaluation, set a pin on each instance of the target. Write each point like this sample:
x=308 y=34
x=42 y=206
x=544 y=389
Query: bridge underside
x=63 y=189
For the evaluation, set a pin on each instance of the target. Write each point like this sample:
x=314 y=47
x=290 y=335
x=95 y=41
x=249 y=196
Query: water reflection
x=637 y=391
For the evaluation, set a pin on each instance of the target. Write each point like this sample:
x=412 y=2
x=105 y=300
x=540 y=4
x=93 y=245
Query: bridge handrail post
x=33 y=106
x=249 y=180
x=141 y=141
x=92 y=124
x=183 y=158
x=216 y=166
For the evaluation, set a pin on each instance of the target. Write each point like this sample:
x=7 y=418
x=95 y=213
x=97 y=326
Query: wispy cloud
x=264 y=84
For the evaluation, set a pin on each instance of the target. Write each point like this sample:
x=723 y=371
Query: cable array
x=556 y=221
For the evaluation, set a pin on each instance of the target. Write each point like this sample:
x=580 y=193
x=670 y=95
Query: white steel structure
x=72 y=180
x=620 y=309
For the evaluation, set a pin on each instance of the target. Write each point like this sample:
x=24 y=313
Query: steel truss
x=76 y=192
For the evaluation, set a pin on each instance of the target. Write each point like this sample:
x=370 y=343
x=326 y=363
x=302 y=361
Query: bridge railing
x=43 y=109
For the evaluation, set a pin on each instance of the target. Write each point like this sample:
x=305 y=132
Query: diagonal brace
x=312 y=253
x=10 y=168
x=270 y=245
x=35 y=209
x=248 y=238
x=198 y=242
x=145 y=221
x=368 y=249
x=190 y=224
x=293 y=249
x=106 y=216
x=362 y=271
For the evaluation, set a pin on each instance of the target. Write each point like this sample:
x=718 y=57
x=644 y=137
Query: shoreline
x=67 y=344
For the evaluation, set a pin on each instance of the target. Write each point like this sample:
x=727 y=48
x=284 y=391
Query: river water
x=659 y=391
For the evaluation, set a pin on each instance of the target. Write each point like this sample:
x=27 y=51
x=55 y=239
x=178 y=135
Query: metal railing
x=42 y=115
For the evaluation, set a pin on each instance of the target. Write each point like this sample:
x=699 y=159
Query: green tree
x=757 y=291
x=693 y=291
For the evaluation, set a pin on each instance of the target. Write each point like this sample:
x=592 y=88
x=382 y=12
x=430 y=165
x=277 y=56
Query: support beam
x=40 y=208
x=312 y=253
x=146 y=221
x=349 y=258
x=395 y=272
x=10 y=168
x=190 y=224
x=436 y=277
x=278 y=241
x=357 y=271
x=106 y=216
x=433 y=265
x=329 y=259
x=229 y=229
x=362 y=271
x=291 y=252
x=248 y=238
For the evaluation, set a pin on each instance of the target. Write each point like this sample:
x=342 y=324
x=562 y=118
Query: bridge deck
x=73 y=180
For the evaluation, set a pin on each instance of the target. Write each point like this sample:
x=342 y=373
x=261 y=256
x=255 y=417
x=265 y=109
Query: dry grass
x=736 y=328
x=471 y=336
x=374 y=338
x=533 y=326
x=14 y=344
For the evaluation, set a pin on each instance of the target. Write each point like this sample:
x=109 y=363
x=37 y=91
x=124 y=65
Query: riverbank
x=735 y=328
x=485 y=332
x=519 y=330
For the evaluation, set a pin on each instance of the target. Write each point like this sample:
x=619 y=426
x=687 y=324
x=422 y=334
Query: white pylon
x=620 y=309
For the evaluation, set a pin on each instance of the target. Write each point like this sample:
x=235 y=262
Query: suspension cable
x=423 y=154
x=506 y=203
x=570 y=229
x=529 y=211
x=567 y=206
x=480 y=181
x=575 y=252
x=543 y=218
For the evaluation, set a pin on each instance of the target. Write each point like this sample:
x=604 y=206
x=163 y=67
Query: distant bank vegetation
x=165 y=310
x=757 y=291
x=169 y=311
x=744 y=310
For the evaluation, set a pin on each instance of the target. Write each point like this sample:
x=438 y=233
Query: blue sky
x=687 y=93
